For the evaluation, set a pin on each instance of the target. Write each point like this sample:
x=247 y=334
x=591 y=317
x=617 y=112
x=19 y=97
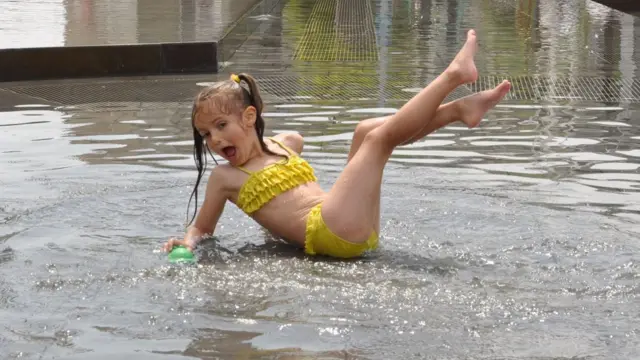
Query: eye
x=222 y=124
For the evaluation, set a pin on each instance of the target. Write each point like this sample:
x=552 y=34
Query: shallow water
x=517 y=239
x=60 y=23
x=514 y=240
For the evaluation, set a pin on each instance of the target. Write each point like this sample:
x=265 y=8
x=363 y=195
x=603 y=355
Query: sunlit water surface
x=517 y=239
x=514 y=240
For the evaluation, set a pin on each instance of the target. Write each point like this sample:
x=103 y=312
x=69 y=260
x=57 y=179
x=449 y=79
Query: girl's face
x=229 y=134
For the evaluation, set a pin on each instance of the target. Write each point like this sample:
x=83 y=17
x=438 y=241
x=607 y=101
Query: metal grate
x=343 y=87
x=318 y=41
x=340 y=87
x=537 y=88
x=339 y=30
x=526 y=88
x=165 y=89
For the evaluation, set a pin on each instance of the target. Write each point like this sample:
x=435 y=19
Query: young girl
x=270 y=182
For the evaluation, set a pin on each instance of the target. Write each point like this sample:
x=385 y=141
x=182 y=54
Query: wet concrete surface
x=67 y=23
x=56 y=39
x=513 y=240
x=553 y=52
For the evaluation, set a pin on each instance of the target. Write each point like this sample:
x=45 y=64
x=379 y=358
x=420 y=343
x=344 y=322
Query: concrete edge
x=47 y=63
x=626 y=6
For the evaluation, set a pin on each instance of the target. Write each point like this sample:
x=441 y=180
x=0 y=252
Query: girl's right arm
x=215 y=198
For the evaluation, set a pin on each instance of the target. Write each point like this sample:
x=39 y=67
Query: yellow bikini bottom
x=320 y=240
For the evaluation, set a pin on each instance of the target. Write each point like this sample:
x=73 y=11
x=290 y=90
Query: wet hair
x=226 y=96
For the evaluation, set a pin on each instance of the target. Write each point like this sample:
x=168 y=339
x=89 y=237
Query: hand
x=169 y=245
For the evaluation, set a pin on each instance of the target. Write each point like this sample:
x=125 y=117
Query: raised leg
x=350 y=206
x=409 y=120
x=445 y=115
x=469 y=110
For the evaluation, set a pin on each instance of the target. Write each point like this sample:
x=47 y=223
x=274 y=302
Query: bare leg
x=349 y=208
x=445 y=115
x=409 y=120
x=469 y=110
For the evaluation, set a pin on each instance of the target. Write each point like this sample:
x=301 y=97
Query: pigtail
x=255 y=100
x=254 y=93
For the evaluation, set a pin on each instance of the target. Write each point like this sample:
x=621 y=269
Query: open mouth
x=229 y=151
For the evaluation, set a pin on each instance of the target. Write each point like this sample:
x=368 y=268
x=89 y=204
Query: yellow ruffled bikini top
x=263 y=185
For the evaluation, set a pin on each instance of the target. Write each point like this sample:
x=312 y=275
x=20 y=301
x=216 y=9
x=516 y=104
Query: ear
x=249 y=116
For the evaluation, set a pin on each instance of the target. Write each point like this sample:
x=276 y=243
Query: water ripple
x=502 y=229
x=515 y=239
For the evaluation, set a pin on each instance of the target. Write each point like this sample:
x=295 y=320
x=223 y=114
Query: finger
x=188 y=244
x=179 y=242
x=168 y=246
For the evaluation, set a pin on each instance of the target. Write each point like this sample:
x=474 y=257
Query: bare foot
x=462 y=67
x=473 y=107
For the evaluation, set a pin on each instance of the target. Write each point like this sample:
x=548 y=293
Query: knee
x=378 y=138
x=362 y=129
x=365 y=126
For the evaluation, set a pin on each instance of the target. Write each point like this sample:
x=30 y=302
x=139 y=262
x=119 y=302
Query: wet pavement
x=514 y=240
x=66 y=23
x=553 y=51
x=61 y=39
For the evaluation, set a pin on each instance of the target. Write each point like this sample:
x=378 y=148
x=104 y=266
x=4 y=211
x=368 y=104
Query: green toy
x=180 y=254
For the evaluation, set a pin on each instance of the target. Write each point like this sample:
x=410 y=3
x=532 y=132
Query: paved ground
x=379 y=51
x=553 y=51
x=57 y=39
x=64 y=23
x=514 y=239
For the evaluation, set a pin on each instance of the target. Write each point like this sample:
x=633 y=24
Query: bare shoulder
x=292 y=140
x=221 y=177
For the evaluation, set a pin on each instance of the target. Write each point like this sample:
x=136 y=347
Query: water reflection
x=514 y=144
x=91 y=22
x=416 y=39
x=31 y=24
x=522 y=231
x=527 y=222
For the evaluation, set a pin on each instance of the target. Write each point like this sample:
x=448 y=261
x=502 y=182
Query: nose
x=213 y=140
